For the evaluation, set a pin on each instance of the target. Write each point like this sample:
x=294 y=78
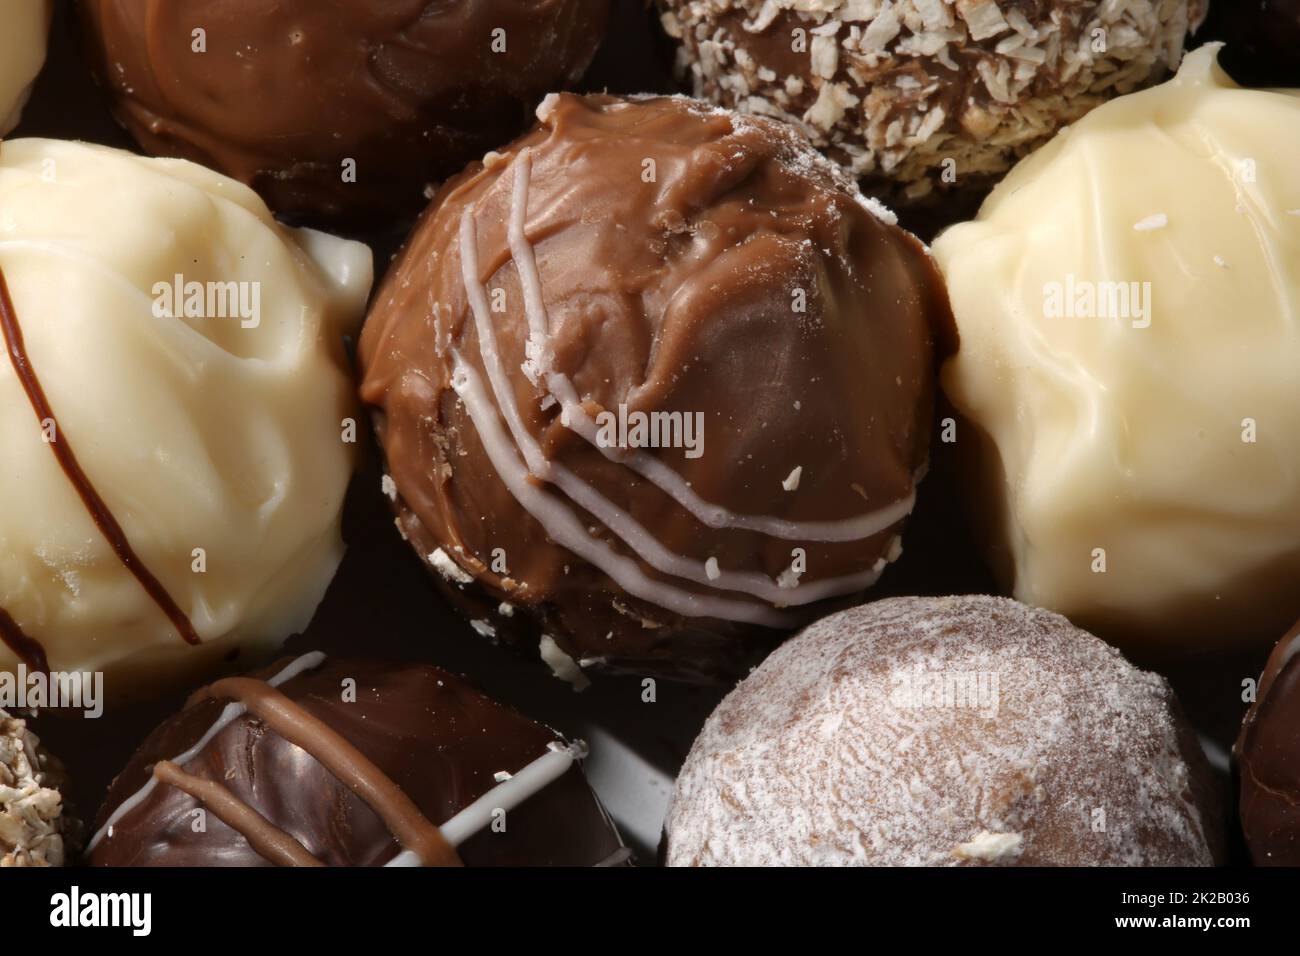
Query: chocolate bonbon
x=174 y=410
x=326 y=761
x=1267 y=757
x=36 y=828
x=654 y=384
x=1127 y=302
x=335 y=111
x=921 y=96
x=24 y=28
x=962 y=731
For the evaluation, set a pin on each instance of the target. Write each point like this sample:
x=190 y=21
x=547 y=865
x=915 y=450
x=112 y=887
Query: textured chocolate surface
x=672 y=242
x=438 y=739
x=287 y=91
x=1268 y=760
x=923 y=96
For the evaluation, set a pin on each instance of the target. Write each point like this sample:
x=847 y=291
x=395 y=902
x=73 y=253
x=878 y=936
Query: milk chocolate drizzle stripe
x=506 y=795
x=232 y=712
x=262 y=835
x=353 y=768
x=62 y=449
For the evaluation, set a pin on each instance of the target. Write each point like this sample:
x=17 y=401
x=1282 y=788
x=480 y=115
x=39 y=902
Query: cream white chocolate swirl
x=218 y=446
x=24 y=29
x=1167 y=443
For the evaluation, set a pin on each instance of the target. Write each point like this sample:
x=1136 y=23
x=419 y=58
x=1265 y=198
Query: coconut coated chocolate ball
x=964 y=731
x=654 y=385
x=174 y=409
x=923 y=95
x=333 y=762
x=1268 y=760
x=35 y=827
x=24 y=29
x=335 y=109
x=1127 y=303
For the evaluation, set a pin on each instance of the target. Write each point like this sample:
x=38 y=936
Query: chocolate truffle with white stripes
x=333 y=762
x=654 y=384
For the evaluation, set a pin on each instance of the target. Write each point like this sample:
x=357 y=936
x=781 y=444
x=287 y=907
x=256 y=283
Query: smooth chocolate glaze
x=286 y=92
x=27 y=648
x=305 y=777
x=1268 y=760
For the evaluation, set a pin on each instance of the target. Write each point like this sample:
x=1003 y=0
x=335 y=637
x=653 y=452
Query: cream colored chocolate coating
x=198 y=433
x=1133 y=438
x=24 y=29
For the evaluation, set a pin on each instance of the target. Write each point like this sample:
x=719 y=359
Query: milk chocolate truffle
x=1128 y=303
x=35 y=828
x=1268 y=760
x=330 y=762
x=965 y=731
x=654 y=384
x=339 y=110
x=919 y=95
x=174 y=413
x=24 y=29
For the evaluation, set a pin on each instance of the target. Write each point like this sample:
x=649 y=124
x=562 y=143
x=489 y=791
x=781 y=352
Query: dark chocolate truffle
x=352 y=763
x=655 y=385
x=1268 y=760
x=962 y=731
x=286 y=96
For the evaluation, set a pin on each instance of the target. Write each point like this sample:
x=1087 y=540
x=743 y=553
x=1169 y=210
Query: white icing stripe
x=230 y=713
x=507 y=795
x=650 y=467
x=618 y=521
x=563 y=526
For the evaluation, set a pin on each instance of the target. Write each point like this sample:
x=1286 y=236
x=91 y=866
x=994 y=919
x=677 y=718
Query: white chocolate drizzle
x=509 y=793
x=559 y=520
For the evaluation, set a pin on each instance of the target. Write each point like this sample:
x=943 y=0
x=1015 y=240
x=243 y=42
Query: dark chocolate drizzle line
x=27 y=649
x=95 y=506
x=262 y=835
x=354 y=769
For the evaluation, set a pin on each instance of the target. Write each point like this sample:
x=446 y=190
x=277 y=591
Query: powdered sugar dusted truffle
x=33 y=826
x=915 y=92
x=604 y=353
x=945 y=731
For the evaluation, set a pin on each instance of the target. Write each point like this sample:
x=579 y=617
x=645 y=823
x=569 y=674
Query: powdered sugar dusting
x=825 y=755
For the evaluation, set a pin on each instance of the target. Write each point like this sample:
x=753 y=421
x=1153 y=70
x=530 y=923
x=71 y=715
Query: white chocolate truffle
x=212 y=429
x=960 y=731
x=24 y=29
x=1128 y=301
x=925 y=94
